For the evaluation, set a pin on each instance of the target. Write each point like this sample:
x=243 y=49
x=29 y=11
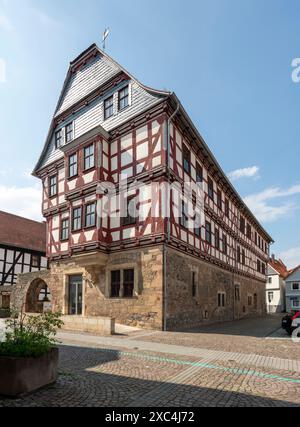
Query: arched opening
x=38 y=298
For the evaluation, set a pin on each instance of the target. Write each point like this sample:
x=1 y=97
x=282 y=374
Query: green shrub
x=30 y=336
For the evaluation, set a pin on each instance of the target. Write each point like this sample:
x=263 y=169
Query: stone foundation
x=146 y=308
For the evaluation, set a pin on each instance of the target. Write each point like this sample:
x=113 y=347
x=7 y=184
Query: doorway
x=75 y=295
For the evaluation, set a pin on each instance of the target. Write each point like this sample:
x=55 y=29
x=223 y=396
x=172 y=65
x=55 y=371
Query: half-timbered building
x=22 y=250
x=147 y=269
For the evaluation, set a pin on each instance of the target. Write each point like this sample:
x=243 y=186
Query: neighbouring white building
x=293 y=290
x=276 y=287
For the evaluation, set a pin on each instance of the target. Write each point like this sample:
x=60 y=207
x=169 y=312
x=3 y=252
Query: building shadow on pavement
x=99 y=378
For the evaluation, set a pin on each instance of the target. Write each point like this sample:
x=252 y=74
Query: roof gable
x=22 y=233
x=294 y=275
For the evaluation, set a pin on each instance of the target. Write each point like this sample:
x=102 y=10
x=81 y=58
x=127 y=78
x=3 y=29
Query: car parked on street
x=291 y=322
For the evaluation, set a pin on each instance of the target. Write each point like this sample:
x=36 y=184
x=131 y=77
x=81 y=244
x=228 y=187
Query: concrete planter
x=19 y=376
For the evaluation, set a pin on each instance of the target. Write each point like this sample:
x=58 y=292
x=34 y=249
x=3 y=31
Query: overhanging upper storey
x=97 y=92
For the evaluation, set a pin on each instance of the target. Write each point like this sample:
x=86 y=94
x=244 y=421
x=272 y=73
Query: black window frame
x=211 y=189
x=65 y=230
x=69 y=130
x=129 y=220
x=51 y=186
x=90 y=214
x=128 y=283
x=108 y=107
x=227 y=208
x=221 y=299
x=184 y=219
x=219 y=200
x=199 y=173
x=79 y=209
x=59 y=139
x=217 y=239
x=208 y=232
x=194 y=284
x=73 y=166
x=115 y=283
x=122 y=97
x=87 y=156
x=242 y=225
x=225 y=244
x=186 y=155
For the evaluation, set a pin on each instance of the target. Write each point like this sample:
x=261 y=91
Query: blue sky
x=229 y=61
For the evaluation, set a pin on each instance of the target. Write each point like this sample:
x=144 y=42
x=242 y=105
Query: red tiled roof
x=22 y=233
x=279 y=266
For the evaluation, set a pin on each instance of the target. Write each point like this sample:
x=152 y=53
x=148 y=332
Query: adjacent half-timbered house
x=22 y=250
x=154 y=265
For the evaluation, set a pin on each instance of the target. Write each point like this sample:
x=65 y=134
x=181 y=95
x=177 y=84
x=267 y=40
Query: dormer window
x=69 y=132
x=58 y=139
x=108 y=107
x=123 y=98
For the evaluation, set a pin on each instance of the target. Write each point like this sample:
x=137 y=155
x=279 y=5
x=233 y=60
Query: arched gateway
x=38 y=297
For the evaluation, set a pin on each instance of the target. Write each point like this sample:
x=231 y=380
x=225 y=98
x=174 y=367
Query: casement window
x=128 y=283
x=59 y=139
x=194 y=285
x=129 y=213
x=197 y=225
x=77 y=219
x=210 y=189
x=199 y=173
x=270 y=280
x=208 y=232
x=123 y=98
x=258 y=266
x=249 y=231
x=242 y=225
x=263 y=268
x=184 y=215
x=255 y=238
x=64 y=232
x=44 y=295
x=295 y=287
x=270 y=297
x=115 y=284
x=237 y=293
x=219 y=200
x=259 y=244
x=73 y=165
x=53 y=186
x=225 y=245
x=227 y=210
x=69 y=132
x=108 y=107
x=186 y=159
x=90 y=215
x=243 y=257
x=238 y=254
x=217 y=239
x=35 y=261
x=89 y=157
x=221 y=299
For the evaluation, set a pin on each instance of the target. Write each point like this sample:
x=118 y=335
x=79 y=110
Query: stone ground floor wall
x=191 y=308
x=146 y=308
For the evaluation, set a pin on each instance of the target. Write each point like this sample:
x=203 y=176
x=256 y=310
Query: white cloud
x=264 y=211
x=5 y=23
x=291 y=257
x=23 y=201
x=252 y=172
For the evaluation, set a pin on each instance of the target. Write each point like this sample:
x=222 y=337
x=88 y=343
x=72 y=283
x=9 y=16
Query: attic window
x=58 y=139
x=123 y=98
x=69 y=132
x=108 y=107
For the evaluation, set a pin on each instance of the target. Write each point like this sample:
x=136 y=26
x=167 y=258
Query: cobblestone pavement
x=121 y=374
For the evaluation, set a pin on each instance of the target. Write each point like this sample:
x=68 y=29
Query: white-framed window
x=108 y=107
x=123 y=98
x=270 y=280
x=69 y=132
x=295 y=286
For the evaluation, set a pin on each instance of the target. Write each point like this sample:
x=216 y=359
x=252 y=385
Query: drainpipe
x=167 y=138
